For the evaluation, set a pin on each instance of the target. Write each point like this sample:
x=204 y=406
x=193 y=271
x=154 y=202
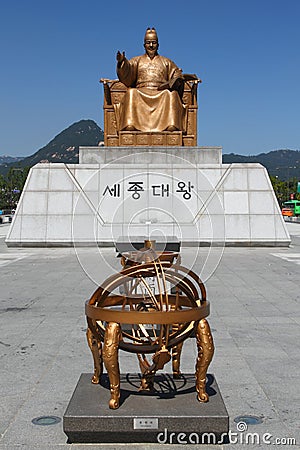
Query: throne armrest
x=191 y=77
x=191 y=82
x=112 y=90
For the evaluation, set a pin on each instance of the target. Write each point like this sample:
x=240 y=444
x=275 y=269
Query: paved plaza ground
x=255 y=320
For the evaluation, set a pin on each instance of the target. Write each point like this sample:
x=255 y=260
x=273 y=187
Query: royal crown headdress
x=150 y=32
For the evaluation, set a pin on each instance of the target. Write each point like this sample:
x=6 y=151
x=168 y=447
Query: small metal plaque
x=145 y=423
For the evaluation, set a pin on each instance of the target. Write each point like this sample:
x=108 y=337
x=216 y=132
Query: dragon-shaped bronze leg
x=176 y=354
x=110 y=357
x=96 y=349
x=205 y=346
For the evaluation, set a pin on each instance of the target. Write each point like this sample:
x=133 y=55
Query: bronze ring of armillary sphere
x=151 y=306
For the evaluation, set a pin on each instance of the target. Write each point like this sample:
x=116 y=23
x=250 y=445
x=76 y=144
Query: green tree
x=283 y=189
x=3 y=192
x=11 y=186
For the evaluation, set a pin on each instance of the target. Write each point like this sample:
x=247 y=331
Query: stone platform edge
x=68 y=244
x=172 y=409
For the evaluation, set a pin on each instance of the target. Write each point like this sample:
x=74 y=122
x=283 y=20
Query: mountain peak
x=64 y=147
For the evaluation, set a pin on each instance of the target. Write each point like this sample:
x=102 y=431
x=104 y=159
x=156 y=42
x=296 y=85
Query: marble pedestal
x=135 y=191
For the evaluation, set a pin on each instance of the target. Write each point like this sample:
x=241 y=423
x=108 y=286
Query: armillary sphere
x=151 y=306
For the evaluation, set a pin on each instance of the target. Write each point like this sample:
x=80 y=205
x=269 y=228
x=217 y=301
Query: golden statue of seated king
x=152 y=102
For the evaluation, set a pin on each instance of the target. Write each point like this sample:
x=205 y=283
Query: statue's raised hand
x=120 y=57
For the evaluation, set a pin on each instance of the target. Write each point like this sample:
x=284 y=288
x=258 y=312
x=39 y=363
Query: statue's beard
x=151 y=53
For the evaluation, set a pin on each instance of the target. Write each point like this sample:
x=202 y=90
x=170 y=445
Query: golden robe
x=144 y=107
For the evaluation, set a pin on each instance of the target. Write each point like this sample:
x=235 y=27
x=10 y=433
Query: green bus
x=293 y=206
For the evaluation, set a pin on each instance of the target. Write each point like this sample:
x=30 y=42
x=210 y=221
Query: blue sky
x=247 y=53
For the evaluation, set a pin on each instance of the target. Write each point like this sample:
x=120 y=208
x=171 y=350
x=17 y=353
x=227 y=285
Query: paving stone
x=256 y=361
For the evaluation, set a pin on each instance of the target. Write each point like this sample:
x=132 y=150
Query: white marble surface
x=148 y=155
x=88 y=203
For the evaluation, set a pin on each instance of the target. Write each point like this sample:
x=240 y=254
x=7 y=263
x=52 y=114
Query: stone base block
x=169 y=414
x=134 y=191
x=159 y=154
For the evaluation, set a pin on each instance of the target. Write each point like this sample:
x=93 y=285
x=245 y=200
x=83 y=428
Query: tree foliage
x=283 y=189
x=11 y=186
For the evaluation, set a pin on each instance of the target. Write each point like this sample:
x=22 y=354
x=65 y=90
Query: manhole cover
x=46 y=420
x=248 y=420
